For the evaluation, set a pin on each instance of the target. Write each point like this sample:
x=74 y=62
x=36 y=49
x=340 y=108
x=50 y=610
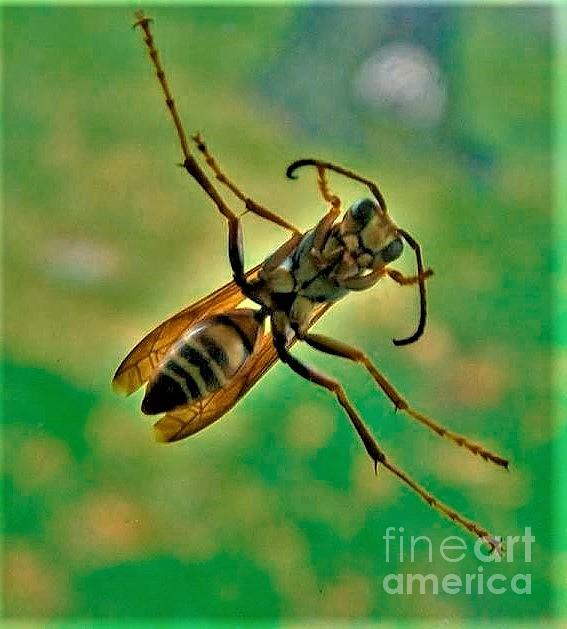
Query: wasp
x=199 y=363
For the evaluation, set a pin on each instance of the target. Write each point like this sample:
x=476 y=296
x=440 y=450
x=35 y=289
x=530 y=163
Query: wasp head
x=372 y=232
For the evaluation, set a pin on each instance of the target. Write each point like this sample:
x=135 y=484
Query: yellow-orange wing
x=138 y=366
x=187 y=420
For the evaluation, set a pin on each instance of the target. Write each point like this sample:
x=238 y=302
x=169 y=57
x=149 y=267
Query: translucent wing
x=187 y=420
x=137 y=367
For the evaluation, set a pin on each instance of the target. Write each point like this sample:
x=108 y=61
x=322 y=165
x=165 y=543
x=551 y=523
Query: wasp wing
x=137 y=367
x=187 y=420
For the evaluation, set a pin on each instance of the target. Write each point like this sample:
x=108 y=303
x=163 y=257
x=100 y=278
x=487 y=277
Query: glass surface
x=275 y=511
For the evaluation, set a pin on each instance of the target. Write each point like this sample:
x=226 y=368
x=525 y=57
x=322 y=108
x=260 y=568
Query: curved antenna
x=422 y=300
x=338 y=169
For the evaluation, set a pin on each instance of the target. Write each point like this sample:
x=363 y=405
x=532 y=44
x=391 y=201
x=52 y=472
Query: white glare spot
x=82 y=261
x=406 y=78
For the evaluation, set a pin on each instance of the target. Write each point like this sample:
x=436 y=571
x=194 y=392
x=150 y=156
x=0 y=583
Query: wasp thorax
x=375 y=233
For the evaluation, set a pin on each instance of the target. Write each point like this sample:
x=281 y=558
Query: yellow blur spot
x=309 y=427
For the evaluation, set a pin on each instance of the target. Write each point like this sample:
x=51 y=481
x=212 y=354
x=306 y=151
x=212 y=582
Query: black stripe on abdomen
x=194 y=356
x=215 y=351
x=192 y=386
x=231 y=323
x=164 y=394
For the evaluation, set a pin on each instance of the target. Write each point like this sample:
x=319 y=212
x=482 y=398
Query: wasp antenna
x=422 y=299
x=349 y=174
x=299 y=164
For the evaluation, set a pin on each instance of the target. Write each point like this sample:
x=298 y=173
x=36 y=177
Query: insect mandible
x=199 y=363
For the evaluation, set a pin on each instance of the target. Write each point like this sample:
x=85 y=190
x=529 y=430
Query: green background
x=275 y=511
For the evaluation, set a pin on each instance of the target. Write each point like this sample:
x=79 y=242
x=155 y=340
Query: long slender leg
x=335 y=387
x=373 y=449
x=249 y=203
x=336 y=348
x=190 y=164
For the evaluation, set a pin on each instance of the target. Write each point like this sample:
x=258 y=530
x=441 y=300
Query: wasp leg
x=320 y=237
x=251 y=205
x=235 y=247
x=144 y=23
x=338 y=169
x=373 y=449
x=336 y=348
x=323 y=186
x=363 y=282
x=324 y=226
x=405 y=280
x=336 y=388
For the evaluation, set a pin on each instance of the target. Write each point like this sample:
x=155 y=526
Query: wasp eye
x=392 y=251
x=362 y=211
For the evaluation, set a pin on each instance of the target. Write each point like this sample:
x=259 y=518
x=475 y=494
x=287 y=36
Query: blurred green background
x=274 y=512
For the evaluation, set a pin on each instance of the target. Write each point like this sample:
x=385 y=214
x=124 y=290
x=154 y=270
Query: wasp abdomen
x=203 y=361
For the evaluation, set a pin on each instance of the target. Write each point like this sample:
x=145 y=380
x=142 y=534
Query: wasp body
x=203 y=361
x=199 y=363
x=291 y=285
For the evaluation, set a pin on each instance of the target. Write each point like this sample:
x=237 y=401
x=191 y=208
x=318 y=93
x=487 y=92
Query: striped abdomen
x=203 y=360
